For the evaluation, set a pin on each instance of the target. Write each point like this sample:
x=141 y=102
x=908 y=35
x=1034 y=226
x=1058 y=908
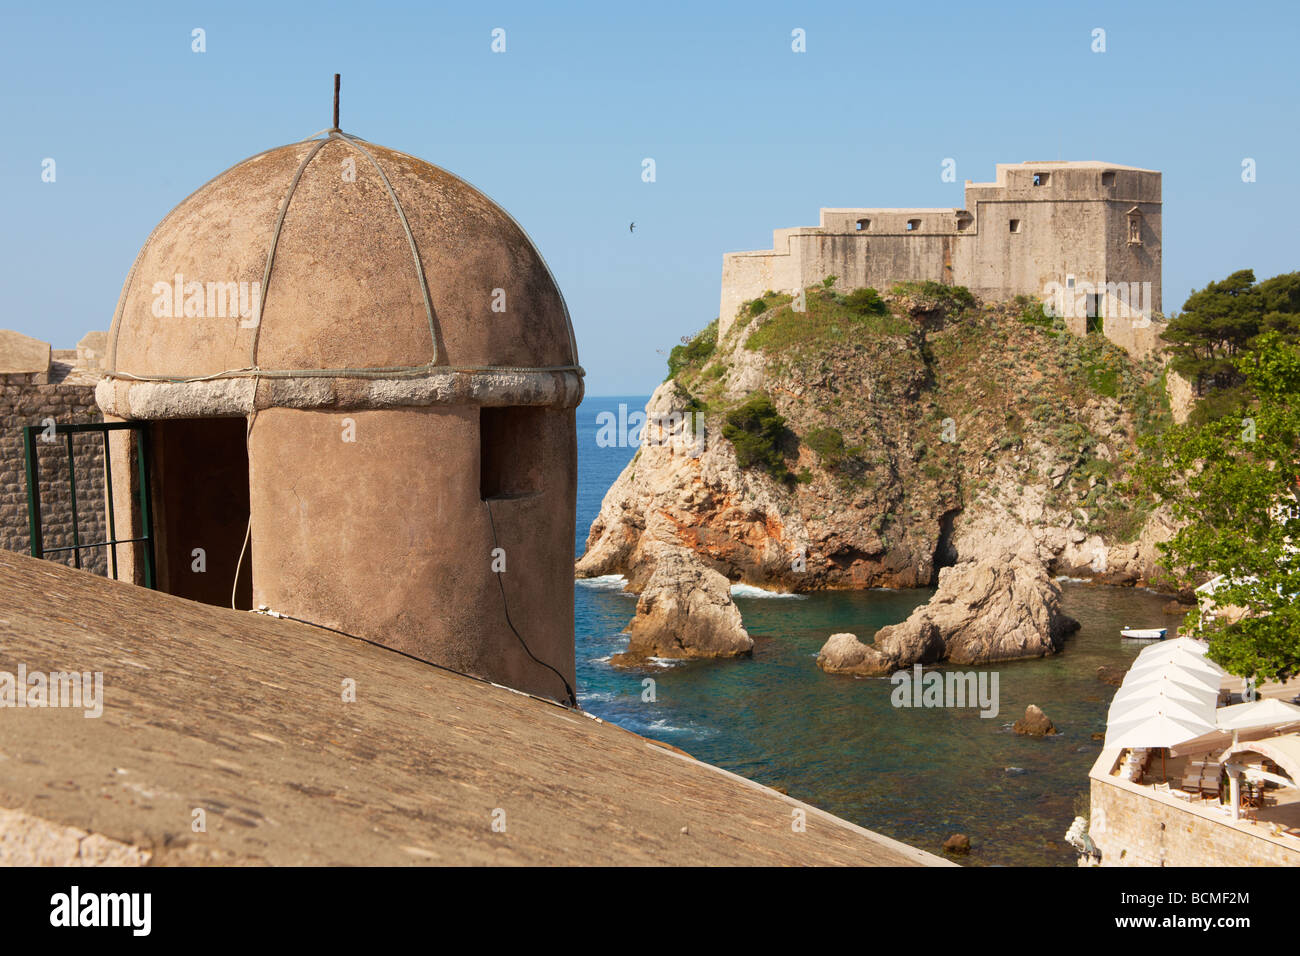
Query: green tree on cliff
x=758 y=433
x=1222 y=322
x=1234 y=481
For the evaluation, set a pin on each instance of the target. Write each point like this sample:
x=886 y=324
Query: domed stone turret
x=358 y=368
x=298 y=262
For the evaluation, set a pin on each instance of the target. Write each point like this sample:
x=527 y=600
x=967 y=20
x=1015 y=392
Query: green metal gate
x=33 y=435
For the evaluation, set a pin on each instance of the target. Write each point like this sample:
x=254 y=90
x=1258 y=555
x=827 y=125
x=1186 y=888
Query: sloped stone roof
x=242 y=715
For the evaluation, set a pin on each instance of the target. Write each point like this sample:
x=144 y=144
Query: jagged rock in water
x=845 y=654
x=1035 y=723
x=957 y=843
x=983 y=611
x=994 y=611
x=685 y=610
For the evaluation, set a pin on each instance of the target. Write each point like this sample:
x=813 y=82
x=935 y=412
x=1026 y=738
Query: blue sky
x=747 y=136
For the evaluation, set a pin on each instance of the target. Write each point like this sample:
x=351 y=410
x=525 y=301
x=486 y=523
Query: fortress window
x=864 y=225
x=1040 y=179
x=1015 y=225
x=1108 y=178
x=510 y=451
x=913 y=225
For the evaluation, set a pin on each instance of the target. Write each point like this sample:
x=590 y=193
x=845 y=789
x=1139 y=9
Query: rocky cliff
x=869 y=440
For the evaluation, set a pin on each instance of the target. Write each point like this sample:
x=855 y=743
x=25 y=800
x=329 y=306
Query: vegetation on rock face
x=866 y=302
x=758 y=431
x=936 y=295
x=896 y=411
x=1234 y=481
x=828 y=319
x=693 y=352
x=1033 y=313
x=828 y=443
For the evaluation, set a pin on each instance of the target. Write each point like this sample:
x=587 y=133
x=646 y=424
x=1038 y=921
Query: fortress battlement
x=1068 y=233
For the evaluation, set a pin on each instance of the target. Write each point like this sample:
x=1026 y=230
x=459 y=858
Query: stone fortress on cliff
x=1083 y=237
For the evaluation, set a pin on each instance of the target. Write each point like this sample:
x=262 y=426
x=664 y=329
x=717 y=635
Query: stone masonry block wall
x=1133 y=829
x=24 y=403
x=1040 y=225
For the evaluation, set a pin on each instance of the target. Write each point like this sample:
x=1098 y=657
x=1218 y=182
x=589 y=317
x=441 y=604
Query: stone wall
x=24 y=402
x=1070 y=230
x=1135 y=826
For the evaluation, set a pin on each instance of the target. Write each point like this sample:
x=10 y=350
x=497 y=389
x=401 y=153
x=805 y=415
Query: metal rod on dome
x=336 y=100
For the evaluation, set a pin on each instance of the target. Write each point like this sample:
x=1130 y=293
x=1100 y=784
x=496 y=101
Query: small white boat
x=1144 y=633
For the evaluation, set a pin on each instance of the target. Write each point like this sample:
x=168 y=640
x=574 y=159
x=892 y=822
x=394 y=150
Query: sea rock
x=1035 y=723
x=684 y=611
x=992 y=611
x=845 y=654
x=1176 y=608
x=1031 y=533
x=983 y=611
x=957 y=843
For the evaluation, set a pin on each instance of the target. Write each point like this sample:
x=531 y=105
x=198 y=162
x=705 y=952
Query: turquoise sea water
x=916 y=774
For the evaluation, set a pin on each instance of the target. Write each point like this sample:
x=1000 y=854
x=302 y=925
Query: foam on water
x=666 y=661
x=750 y=591
x=608 y=582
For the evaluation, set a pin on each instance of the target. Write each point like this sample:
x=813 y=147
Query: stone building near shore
x=1084 y=237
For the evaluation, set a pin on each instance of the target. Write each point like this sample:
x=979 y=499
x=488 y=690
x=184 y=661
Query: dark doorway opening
x=1095 y=313
x=201 y=508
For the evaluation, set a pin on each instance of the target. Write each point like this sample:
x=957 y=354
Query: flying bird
x=631 y=227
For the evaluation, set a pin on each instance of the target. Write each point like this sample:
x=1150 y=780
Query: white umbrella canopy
x=1257 y=713
x=1183 y=649
x=1168 y=696
x=1161 y=673
x=1131 y=710
x=1191 y=644
x=1175 y=651
x=1183 y=668
x=1160 y=727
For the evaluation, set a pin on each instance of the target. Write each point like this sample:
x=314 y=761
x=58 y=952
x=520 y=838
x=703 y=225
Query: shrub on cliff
x=828 y=443
x=866 y=301
x=952 y=298
x=757 y=431
x=694 y=352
